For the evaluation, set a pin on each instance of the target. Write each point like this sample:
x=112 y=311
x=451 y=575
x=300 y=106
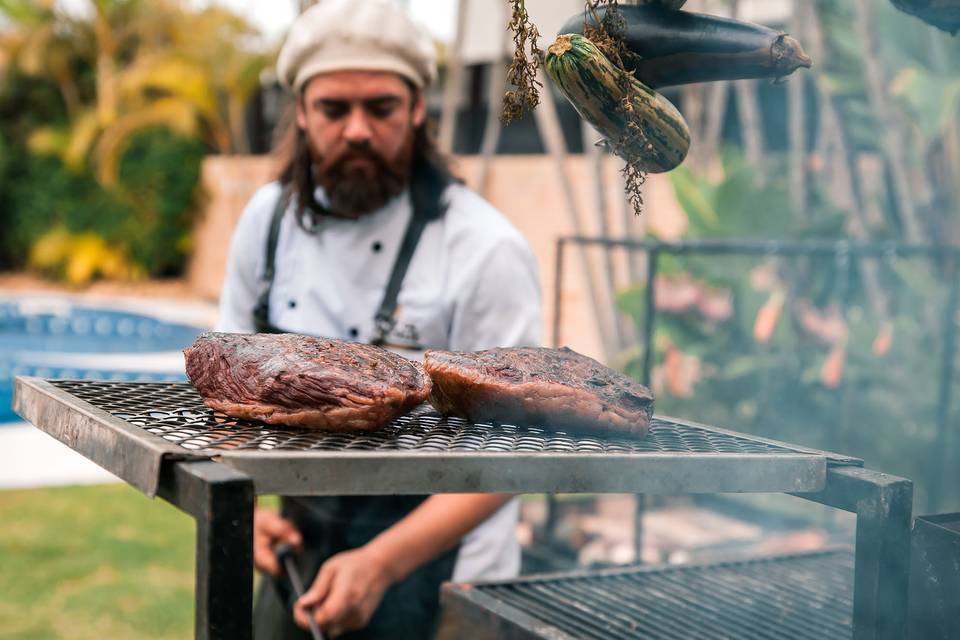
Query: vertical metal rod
x=843 y=266
x=550 y=525
x=558 y=291
x=649 y=319
x=937 y=480
x=650 y=315
x=639 y=509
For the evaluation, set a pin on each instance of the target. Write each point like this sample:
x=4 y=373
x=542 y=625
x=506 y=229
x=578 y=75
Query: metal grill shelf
x=129 y=427
x=808 y=596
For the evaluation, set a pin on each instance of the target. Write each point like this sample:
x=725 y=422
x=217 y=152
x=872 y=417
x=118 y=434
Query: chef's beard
x=354 y=189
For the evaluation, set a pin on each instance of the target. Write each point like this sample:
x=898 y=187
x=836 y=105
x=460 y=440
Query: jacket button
x=376 y=246
x=292 y=304
x=354 y=332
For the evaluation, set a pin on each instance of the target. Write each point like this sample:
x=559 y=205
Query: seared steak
x=552 y=388
x=299 y=381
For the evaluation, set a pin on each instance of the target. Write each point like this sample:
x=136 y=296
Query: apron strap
x=261 y=312
x=385 y=318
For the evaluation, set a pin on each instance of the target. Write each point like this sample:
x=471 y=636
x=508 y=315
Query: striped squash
x=591 y=83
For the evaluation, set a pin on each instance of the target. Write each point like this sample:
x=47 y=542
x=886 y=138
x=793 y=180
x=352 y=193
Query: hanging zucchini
x=681 y=47
x=594 y=86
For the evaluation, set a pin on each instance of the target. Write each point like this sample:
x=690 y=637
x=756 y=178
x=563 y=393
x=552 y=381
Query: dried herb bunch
x=523 y=70
x=608 y=37
x=608 y=34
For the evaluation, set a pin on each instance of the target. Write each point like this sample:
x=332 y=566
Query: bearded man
x=366 y=236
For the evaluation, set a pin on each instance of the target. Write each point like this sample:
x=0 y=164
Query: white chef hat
x=356 y=35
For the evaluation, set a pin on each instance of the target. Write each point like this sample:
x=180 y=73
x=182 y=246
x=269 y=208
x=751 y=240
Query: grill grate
x=807 y=596
x=176 y=413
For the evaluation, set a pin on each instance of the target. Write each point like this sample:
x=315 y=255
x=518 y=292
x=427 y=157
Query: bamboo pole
x=847 y=196
x=718 y=94
x=693 y=110
x=636 y=226
x=451 y=92
x=949 y=182
x=797 y=114
x=548 y=125
x=951 y=157
x=596 y=157
x=751 y=119
x=751 y=126
x=640 y=499
x=892 y=141
x=493 y=127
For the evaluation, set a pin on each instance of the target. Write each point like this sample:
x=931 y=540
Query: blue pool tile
x=82 y=330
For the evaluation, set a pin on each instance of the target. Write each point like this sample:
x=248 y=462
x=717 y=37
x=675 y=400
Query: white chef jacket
x=471 y=284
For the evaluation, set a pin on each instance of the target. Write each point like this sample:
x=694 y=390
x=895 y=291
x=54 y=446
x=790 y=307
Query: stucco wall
x=229 y=182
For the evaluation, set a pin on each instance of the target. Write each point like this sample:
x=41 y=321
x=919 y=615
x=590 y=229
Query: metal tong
x=286 y=556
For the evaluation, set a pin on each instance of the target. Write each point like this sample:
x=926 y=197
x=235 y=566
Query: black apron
x=409 y=609
x=333 y=524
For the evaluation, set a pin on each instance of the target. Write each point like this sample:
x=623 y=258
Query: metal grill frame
x=221 y=500
x=136 y=455
x=526 y=607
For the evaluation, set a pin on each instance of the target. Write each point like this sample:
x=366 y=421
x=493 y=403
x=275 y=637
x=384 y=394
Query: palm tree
x=156 y=64
x=39 y=45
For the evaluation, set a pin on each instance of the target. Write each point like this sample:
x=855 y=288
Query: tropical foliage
x=825 y=349
x=790 y=347
x=108 y=113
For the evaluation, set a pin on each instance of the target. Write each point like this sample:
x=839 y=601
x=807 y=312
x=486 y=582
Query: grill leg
x=221 y=501
x=883 y=505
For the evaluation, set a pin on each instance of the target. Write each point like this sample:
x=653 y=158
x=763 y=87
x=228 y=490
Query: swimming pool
x=53 y=338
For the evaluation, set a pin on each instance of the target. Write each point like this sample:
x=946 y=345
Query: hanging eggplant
x=593 y=85
x=943 y=14
x=670 y=4
x=681 y=47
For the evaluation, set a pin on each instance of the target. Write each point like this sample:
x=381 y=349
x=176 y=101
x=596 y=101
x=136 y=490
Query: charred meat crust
x=555 y=388
x=301 y=381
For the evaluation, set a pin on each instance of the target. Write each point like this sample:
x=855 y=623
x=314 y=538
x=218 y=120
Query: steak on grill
x=554 y=388
x=299 y=381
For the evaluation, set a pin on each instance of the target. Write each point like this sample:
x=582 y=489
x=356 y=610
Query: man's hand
x=346 y=592
x=269 y=531
x=350 y=585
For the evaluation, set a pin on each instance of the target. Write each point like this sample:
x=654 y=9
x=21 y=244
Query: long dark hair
x=430 y=172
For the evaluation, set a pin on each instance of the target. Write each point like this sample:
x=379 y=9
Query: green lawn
x=97 y=563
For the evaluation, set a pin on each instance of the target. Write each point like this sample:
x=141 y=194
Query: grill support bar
x=883 y=504
x=221 y=500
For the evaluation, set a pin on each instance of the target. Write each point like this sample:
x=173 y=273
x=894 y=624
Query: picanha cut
x=300 y=381
x=550 y=388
